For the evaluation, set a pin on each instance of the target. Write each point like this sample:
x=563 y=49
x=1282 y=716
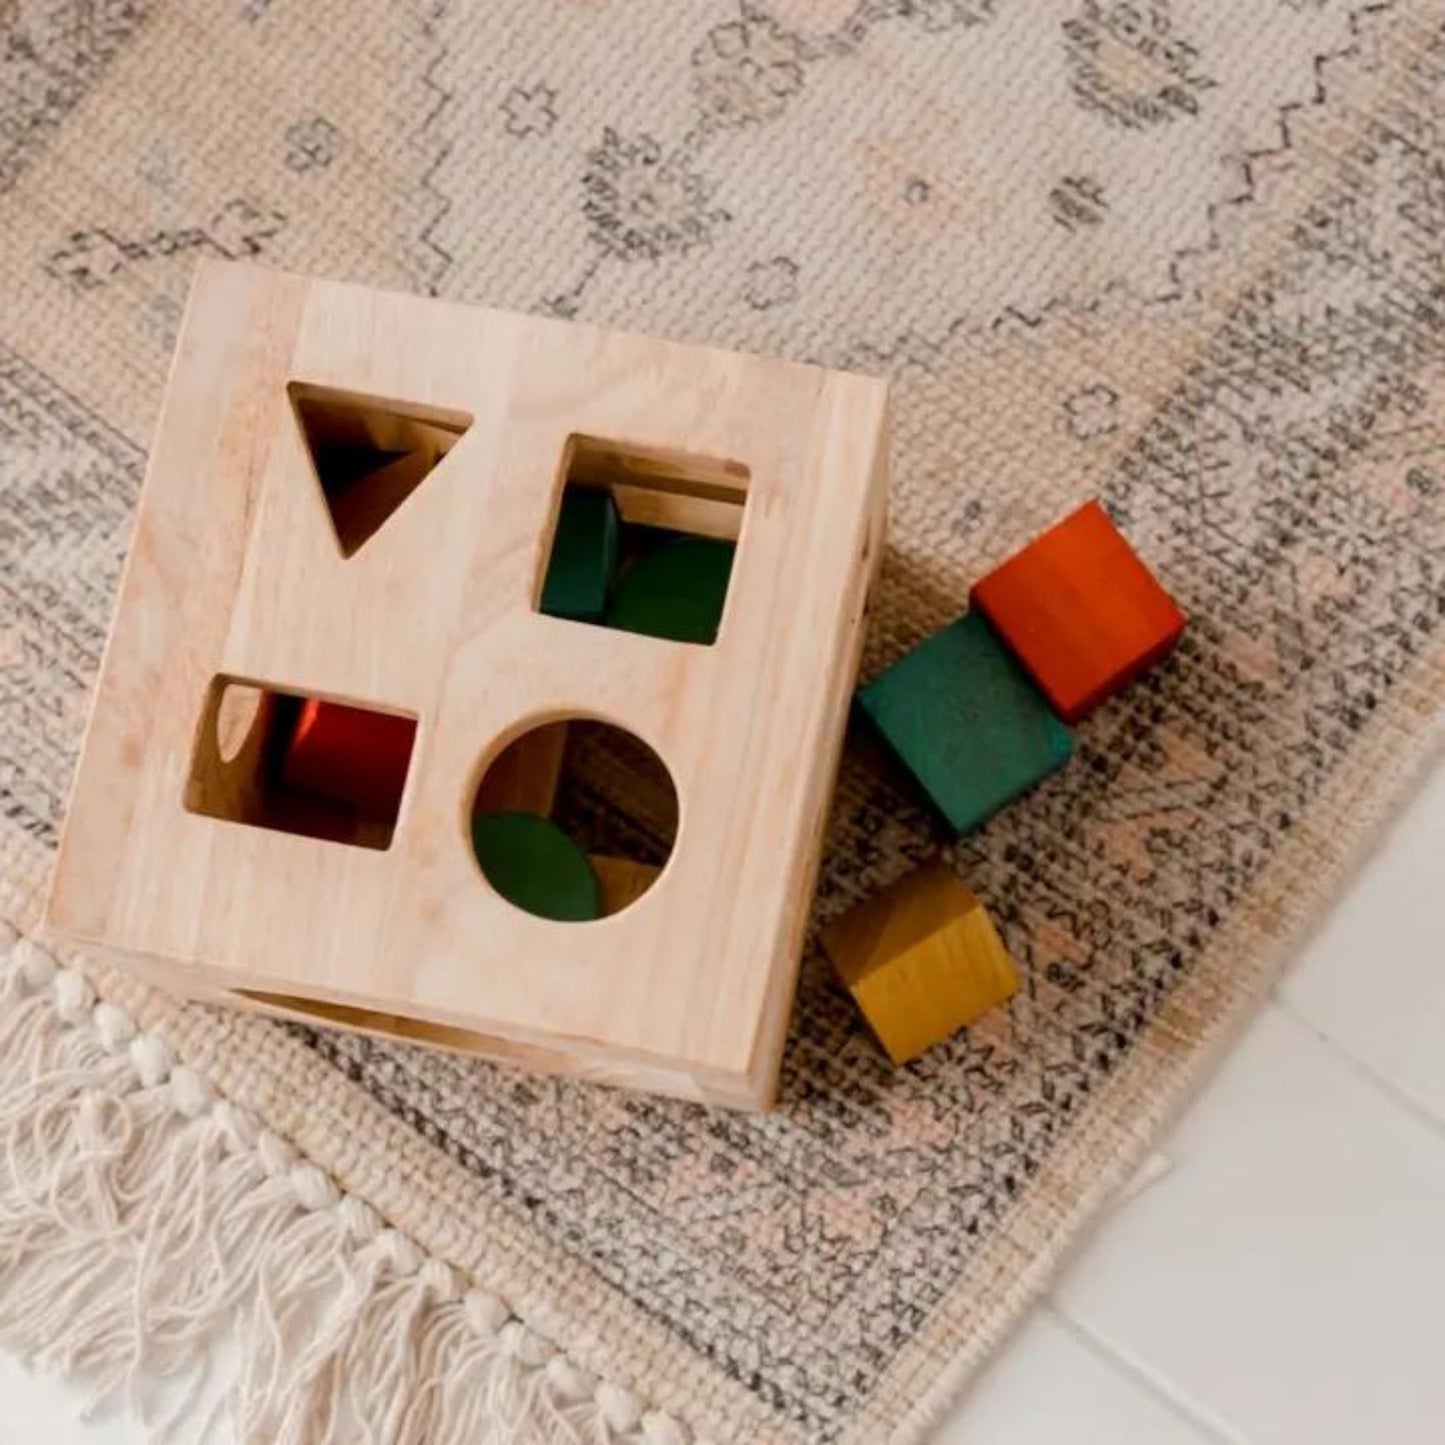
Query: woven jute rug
x=1188 y=255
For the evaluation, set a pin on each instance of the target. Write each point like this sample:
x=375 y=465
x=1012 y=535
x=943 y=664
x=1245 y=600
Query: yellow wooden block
x=921 y=959
x=623 y=880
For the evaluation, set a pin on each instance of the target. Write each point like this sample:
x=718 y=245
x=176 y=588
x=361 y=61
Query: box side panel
x=854 y=433
x=185 y=558
x=326 y=1008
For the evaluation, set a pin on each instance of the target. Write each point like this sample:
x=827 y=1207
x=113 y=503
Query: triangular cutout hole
x=369 y=453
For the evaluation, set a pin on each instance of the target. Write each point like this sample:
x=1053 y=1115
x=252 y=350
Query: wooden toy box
x=236 y=577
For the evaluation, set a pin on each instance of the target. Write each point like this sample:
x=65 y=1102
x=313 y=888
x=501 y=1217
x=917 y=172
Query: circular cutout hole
x=574 y=820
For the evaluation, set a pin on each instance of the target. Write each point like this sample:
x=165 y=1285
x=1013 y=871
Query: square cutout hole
x=299 y=764
x=644 y=540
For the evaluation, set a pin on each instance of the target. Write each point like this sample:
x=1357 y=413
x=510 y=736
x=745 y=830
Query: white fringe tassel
x=142 y=1219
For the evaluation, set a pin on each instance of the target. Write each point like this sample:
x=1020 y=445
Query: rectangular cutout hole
x=299 y=764
x=644 y=539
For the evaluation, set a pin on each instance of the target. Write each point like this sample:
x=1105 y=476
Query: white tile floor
x=1283 y=1283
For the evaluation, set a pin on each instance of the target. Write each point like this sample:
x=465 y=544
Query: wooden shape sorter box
x=177 y=855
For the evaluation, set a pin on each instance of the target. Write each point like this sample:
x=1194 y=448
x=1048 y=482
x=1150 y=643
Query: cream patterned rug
x=1185 y=254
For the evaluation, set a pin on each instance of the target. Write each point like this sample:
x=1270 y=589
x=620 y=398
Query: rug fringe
x=143 y=1218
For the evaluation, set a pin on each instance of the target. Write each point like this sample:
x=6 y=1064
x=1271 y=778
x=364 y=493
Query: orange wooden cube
x=1080 y=610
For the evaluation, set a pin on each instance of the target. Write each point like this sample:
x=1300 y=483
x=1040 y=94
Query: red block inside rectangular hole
x=311 y=766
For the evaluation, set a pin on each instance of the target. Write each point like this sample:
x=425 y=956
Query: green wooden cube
x=966 y=721
x=584 y=556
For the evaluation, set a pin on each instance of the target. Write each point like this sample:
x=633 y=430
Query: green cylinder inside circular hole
x=536 y=867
